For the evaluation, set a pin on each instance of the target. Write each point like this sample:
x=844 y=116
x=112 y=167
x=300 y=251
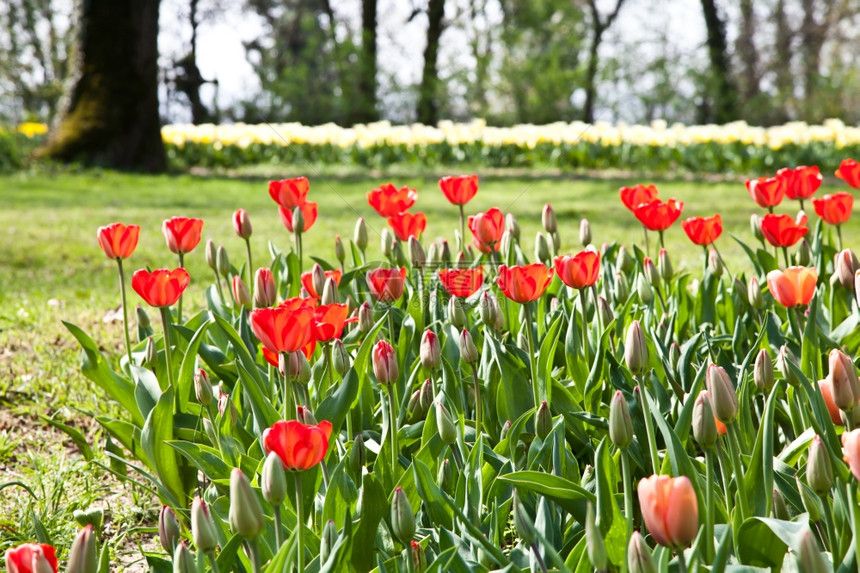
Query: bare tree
x=428 y=105
x=599 y=25
x=722 y=106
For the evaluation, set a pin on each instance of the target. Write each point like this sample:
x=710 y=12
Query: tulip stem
x=478 y=404
x=724 y=467
x=179 y=304
x=722 y=260
x=276 y=510
x=734 y=450
x=213 y=563
x=839 y=235
x=165 y=322
x=709 y=506
x=463 y=229
x=254 y=554
x=300 y=533
x=538 y=557
x=330 y=367
x=124 y=312
x=662 y=246
x=785 y=256
x=392 y=425
x=391 y=323
x=218 y=286
x=299 y=250
x=628 y=500
x=539 y=392
x=645 y=232
x=250 y=268
x=851 y=489
x=649 y=426
x=682 y=563
x=582 y=293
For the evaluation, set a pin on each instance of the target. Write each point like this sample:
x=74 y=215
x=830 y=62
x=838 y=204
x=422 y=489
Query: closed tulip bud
x=330 y=294
x=416 y=253
x=211 y=255
x=643 y=289
x=810 y=559
x=620 y=426
x=554 y=305
x=426 y=395
x=340 y=357
x=298 y=221
x=594 y=541
x=523 y=521
x=183 y=560
x=290 y=365
x=359 y=236
x=621 y=288
x=241 y=294
x=755 y=227
x=339 y=252
x=512 y=226
x=739 y=289
x=636 y=349
x=385 y=366
x=664 y=265
x=142 y=318
x=715 y=264
x=506 y=427
x=639 y=558
x=756 y=300
x=209 y=430
x=584 y=232
x=763 y=371
x=624 y=261
x=704 y=425
x=151 y=352
x=461 y=261
x=786 y=363
x=722 y=393
x=605 y=311
x=487 y=309
x=430 y=350
x=433 y=254
x=202 y=389
x=398 y=255
x=506 y=244
x=274 y=482
x=402 y=516
x=242 y=224
x=246 y=514
x=468 y=350
x=168 y=528
x=651 y=272
x=414 y=407
x=357 y=455
x=265 y=291
x=543 y=421
x=674 y=354
x=553 y=241
x=779 y=510
x=445 y=252
x=445 y=424
x=419 y=560
x=223 y=262
x=548 y=219
x=83 y=556
x=819 y=473
x=202 y=527
x=318 y=278
x=365 y=317
x=804 y=253
x=811 y=502
x=385 y=240
x=663 y=328
x=843 y=381
x=541 y=247
x=456 y=314
x=305 y=416
x=327 y=540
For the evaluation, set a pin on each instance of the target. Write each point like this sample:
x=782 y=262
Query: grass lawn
x=51 y=268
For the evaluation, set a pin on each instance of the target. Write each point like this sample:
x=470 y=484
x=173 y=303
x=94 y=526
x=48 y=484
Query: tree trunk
x=746 y=50
x=366 y=97
x=111 y=115
x=598 y=27
x=428 y=105
x=724 y=107
x=782 y=64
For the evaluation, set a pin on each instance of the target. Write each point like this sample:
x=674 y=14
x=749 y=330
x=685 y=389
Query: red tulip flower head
x=657 y=215
x=407 y=225
x=578 y=271
x=31 y=558
x=487 y=230
x=384 y=360
x=309 y=214
x=242 y=224
x=161 y=287
x=835 y=209
x=634 y=196
x=801 y=182
x=299 y=446
x=459 y=190
x=308 y=281
x=670 y=509
x=286 y=328
x=849 y=171
x=782 y=230
x=766 y=191
x=524 y=284
x=118 y=241
x=290 y=193
x=388 y=200
x=794 y=286
x=462 y=282
x=182 y=233
x=329 y=321
x=386 y=285
x=703 y=230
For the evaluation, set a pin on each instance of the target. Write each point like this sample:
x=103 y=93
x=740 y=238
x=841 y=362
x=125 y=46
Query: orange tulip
x=285 y=328
x=329 y=321
x=309 y=212
x=388 y=200
x=801 y=182
x=703 y=230
x=794 y=286
x=487 y=229
x=782 y=230
x=299 y=446
x=462 y=282
x=849 y=171
x=578 y=271
x=290 y=193
x=459 y=190
x=634 y=196
x=851 y=448
x=161 y=287
x=657 y=215
x=524 y=284
x=407 y=225
x=835 y=209
x=670 y=510
x=386 y=285
x=826 y=390
x=766 y=191
x=308 y=281
x=118 y=241
x=182 y=234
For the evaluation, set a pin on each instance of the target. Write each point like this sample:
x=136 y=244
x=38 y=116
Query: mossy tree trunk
x=111 y=113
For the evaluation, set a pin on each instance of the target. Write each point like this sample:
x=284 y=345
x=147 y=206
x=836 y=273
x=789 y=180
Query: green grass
x=52 y=269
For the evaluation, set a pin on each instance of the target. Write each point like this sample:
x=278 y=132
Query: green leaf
x=154 y=438
x=206 y=459
x=189 y=363
x=374 y=505
x=77 y=437
x=763 y=541
x=565 y=493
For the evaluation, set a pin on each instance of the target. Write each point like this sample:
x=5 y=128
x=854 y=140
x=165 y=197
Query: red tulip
x=670 y=509
x=31 y=558
x=117 y=240
x=634 y=196
x=801 y=182
x=329 y=320
x=524 y=283
x=386 y=285
x=849 y=171
x=459 y=190
x=242 y=224
x=161 y=287
x=290 y=193
x=388 y=200
x=300 y=447
x=487 y=230
x=703 y=230
x=309 y=212
x=308 y=281
x=286 y=328
x=782 y=230
x=835 y=209
x=462 y=282
x=182 y=234
x=657 y=215
x=407 y=225
x=794 y=286
x=274 y=358
x=766 y=191
x=578 y=271
x=851 y=447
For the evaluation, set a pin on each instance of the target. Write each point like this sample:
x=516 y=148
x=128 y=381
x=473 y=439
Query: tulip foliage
x=584 y=409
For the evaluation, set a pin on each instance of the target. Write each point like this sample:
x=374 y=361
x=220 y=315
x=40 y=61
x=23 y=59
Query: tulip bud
x=506 y=244
x=624 y=261
x=810 y=559
x=151 y=352
x=419 y=560
x=265 y=292
x=786 y=363
x=468 y=350
x=715 y=264
x=643 y=289
x=811 y=502
x=843 y=381
x=402 y=517
x=426 y=395
x=83 y=556
x=512 y=226
x=543 y=421
x=846 y=265
x=202 y=527
x=779 y=510
x=340 y=357
x=487 y=310
x=664 y=265
x=456 y=314
x=755 y=227
x=704 y=425
x=621 y=288
x=433 y=254
x=523 y=521
x=318 y=278
x=359 y=236
x=242 y=224
x=445 y=252
x=298 y=221
x=819 y=473
x=740 y=290
x=754 y=294
x=211 y=255
x=584 y=232
x=605 y=311
x=327 y=540
x=385 y=363
x=385 y=240
x=445 y=477
x=183 y=560
x=541 y=247
x=357 y=455
x=365 y=317
x=804 y=253
x=651 y=272
x=763 y=371
x=203 y=390
x=722 y=393
x=639 y=558
x=594 y=541
x=620 y=426
x=636 y=349
x=246 y=515
x=554 y=305
x=445 y=424
x=398 y=255
x=274 y=482
x=330 y=294
x=414 y=407
x=222 y=261
x=241 y=294
x=168 y=528
x=506 y=427
x=548 y=219
x=416 y=253
x=430 y=350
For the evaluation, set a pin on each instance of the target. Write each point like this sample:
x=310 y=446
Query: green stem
x=213 y=563
x=645 y=232
x=539 y=393
x=839 y=235
x=124 y=312
x=724 y=467
x=276 y=510
x=662 y=246
x=250 y=268
x=330 y=367
x=851 y=489
x=628 y=500
x=254 y=554
x=710 y=477
x=734 y=451
x=785 y=257
x=391 y=324
x=649 y=427
x=392 y=423
x=682 y=563
x=478 y=405
x=582 y=294
x=179 y=304
x=285 y=392
x=538 y=557
x=218 y=287
x=462 y=229
x=165 y=322
x=300 y=525
x=832 y=538
x=722 y=260
x=299 y=248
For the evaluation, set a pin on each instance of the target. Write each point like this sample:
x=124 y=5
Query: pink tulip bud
x=265 y=291
x=670 y=510
x=242 y=223
x=431 y=350
x=241 y=294
x=385 y=363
